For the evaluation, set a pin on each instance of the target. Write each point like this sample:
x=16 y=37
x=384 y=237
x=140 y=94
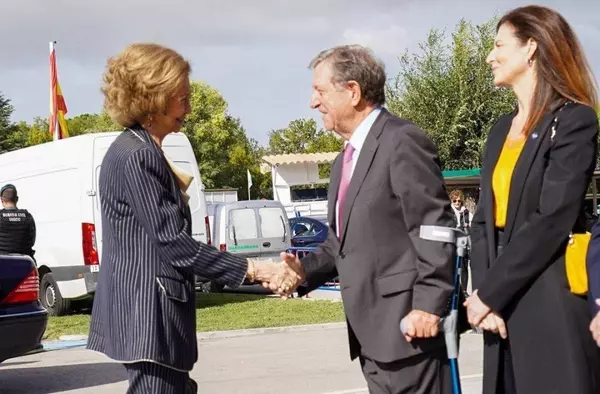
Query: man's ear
x=355 y=91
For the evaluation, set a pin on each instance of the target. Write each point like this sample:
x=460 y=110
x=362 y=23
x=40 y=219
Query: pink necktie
x=344 y=183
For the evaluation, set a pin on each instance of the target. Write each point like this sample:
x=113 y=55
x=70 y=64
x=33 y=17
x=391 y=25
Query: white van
x=57 y=183
x=253 y=229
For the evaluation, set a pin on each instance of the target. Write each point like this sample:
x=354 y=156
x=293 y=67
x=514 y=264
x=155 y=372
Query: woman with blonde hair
x=537 y=166
x=144 y=313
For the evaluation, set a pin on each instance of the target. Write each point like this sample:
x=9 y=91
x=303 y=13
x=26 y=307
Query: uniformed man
x=17 y=227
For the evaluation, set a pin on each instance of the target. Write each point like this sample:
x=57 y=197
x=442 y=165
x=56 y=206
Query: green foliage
x=91 y=123
x=221 y=146
x=9 y=140
x=448 y=90
x=303 y=136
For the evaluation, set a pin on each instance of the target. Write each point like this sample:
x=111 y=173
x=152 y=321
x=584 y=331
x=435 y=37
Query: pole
x=52 y=120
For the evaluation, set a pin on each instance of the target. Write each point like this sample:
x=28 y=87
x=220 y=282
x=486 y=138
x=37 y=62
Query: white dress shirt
x=357 y=140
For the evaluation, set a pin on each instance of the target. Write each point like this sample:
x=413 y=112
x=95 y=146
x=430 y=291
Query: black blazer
x=145 y=304
x=552 y=350
x=385 y=268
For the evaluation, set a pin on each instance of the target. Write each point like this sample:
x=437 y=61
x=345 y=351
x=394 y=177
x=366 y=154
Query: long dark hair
x=563 y=72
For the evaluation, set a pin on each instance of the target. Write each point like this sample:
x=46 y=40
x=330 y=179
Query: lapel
x=365 y=158
x=496 y=140
x=334 y=186
x=521 y=170
x=141 y=134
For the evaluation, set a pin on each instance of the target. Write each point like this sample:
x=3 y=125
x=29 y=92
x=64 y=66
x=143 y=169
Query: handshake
x=280 y=277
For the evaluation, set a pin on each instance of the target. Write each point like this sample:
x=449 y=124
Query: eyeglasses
x=455 y=200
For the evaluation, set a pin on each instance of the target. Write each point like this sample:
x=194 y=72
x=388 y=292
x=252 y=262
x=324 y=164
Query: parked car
x=307 y=231
x=23 y=319
x=252 y=229
x=58 y=184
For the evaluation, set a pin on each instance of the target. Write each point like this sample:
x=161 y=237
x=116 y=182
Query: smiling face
x=509 y=59
x=178 y=107
x=335 y=102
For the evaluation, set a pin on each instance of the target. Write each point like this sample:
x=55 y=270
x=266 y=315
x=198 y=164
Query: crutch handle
x=448 y=325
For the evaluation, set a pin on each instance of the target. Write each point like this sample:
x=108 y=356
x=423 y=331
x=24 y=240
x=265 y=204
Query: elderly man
x=385 y=184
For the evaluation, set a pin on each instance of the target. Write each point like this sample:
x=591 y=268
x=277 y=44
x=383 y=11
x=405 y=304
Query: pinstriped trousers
x=152 y=378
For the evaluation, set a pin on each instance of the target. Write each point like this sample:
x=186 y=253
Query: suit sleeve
x=156 y=209
x=319 y=266
x=418 y=183
x=544 y=234
x=593 y=266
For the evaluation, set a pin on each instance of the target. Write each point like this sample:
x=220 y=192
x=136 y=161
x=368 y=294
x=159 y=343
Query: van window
x=243 y=222
x=272 y=222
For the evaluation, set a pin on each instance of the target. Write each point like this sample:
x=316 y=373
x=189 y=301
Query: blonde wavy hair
x=140 y=81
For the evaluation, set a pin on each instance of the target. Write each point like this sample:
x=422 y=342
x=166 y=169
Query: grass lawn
x=217 y=312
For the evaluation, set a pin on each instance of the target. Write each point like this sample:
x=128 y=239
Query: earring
x=530 y=62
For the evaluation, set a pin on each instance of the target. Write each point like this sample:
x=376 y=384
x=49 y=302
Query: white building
x=289 y=170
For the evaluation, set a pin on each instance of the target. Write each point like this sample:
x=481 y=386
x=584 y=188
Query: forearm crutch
x=449 y=323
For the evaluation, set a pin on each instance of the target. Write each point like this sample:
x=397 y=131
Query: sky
x=255 y=52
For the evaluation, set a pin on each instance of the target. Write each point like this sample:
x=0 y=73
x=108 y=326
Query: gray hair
x=356 y=63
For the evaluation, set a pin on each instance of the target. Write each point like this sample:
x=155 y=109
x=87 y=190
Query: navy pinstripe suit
x=144 y=307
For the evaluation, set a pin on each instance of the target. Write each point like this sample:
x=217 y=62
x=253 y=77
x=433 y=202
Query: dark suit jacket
x=144 y=307
x=385 y=269
x=593 y=267
x=552 y=349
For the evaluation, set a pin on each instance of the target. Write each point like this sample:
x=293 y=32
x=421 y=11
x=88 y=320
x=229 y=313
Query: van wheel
x=216 y=287
x=51 y=298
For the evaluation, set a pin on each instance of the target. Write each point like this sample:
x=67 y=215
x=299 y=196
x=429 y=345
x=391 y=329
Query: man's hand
x=493 y=322
x=419 y=324
x=280 y=277
x=595 y=325
x=476 y=309
x=294 y=276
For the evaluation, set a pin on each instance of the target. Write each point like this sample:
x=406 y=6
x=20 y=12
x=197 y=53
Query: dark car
x=308 y=231
x=23 y=320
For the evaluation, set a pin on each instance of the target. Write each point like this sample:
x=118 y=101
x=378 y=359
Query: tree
x=448 y=91
x=91 y=123
x=222 y=149
x=303 y=136
x=9 y=140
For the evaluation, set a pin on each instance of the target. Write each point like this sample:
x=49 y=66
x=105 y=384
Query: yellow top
x=502 y=177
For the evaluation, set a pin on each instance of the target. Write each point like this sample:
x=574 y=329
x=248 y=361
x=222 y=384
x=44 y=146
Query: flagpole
x=52 y=120
x=249 y=182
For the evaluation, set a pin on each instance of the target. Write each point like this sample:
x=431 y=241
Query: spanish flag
x=58 y=107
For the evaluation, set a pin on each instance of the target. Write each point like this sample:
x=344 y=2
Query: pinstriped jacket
x=144 y=307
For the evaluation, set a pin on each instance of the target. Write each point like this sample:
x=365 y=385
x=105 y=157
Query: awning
x=461 y=173
x=300 y=158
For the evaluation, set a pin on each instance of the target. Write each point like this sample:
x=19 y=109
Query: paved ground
x=297 y=362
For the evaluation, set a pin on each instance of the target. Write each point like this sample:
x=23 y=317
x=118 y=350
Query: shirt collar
x=360 y=134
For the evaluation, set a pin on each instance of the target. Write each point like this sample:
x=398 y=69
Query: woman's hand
x=493 y=322
x=476 y=309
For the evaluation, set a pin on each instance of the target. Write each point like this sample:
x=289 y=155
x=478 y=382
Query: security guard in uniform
x=17 y=227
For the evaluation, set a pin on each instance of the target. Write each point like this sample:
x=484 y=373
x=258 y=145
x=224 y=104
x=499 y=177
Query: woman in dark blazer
x=537 y=165
x=144 y=313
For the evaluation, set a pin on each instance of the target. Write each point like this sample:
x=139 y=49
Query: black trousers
x=427 y=373
x=152 y=378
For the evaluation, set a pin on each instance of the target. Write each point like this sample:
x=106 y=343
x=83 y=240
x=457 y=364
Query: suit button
x=343 y=255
